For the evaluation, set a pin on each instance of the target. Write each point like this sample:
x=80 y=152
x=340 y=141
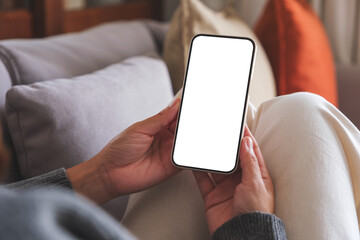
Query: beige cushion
x=193 y=17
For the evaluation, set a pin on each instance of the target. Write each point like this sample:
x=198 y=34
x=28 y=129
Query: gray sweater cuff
x=255 y=225
x=57 y=178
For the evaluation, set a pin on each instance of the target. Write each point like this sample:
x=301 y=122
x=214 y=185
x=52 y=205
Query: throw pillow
x=193 y=17
x=63 y=122
x=298 y=48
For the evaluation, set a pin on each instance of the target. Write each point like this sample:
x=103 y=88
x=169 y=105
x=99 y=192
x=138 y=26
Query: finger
x=159 y=121
x=218 y=177
x=248 y=161
x=204 y=182
x=172 y=126
x=263 y=169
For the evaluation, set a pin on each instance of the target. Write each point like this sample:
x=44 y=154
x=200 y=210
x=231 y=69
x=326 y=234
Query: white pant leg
x=312 y=152
x=172 y=210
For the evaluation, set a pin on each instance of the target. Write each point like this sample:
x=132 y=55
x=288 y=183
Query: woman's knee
x=302 y=104
x=304 y=100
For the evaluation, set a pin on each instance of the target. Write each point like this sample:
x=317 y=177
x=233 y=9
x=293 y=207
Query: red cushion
x=298 y=49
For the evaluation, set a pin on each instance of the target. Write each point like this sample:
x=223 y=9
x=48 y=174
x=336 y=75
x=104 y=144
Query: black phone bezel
x=244 y=111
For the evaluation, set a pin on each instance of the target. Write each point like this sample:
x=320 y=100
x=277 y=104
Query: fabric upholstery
x=63 y=122
x=32 y=60
x=299 y=51
x=158 y=31
x=10 y=168
x=75 y=54
x=248 y=10
x=5 y=84
x=193 y=17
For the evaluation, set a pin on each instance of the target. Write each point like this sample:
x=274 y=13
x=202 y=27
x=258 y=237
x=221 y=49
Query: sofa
x=28 y=61
x=70 y=55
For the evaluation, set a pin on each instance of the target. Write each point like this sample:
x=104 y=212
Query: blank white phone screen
x=214 y=103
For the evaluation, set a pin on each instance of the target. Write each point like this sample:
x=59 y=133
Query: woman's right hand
x=248 y=189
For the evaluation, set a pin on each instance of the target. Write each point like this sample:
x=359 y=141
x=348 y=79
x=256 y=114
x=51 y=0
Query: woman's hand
x=246 y=190
x=136 y=159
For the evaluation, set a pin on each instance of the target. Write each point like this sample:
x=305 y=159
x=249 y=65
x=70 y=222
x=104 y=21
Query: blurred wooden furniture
x=47 y=17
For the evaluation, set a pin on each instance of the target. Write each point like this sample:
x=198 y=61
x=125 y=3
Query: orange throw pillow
x=298 y=49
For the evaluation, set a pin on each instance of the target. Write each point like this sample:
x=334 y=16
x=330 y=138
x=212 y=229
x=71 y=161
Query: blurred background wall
x=341 y=18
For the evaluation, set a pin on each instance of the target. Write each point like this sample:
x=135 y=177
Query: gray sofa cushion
x=158 y=31
x=12 y=173
x=78 y=53
x=32 y=60
x=63 y=122
x=5 y=85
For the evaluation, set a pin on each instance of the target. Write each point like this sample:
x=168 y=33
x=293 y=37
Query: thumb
x=248 y=161
x=154 y=124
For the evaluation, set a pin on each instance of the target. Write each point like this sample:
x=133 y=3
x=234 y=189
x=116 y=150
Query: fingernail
x=249 y=144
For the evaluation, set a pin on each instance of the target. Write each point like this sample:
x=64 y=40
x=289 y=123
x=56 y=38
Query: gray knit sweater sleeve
x=54 y=214
x=255 y=225
x=54 y=179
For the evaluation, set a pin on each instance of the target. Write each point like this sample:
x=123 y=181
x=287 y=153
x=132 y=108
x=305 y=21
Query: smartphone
x=214 y=102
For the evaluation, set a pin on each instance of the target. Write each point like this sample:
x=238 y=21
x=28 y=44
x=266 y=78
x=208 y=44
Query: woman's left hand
x=136 y=159
x=248 y=189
